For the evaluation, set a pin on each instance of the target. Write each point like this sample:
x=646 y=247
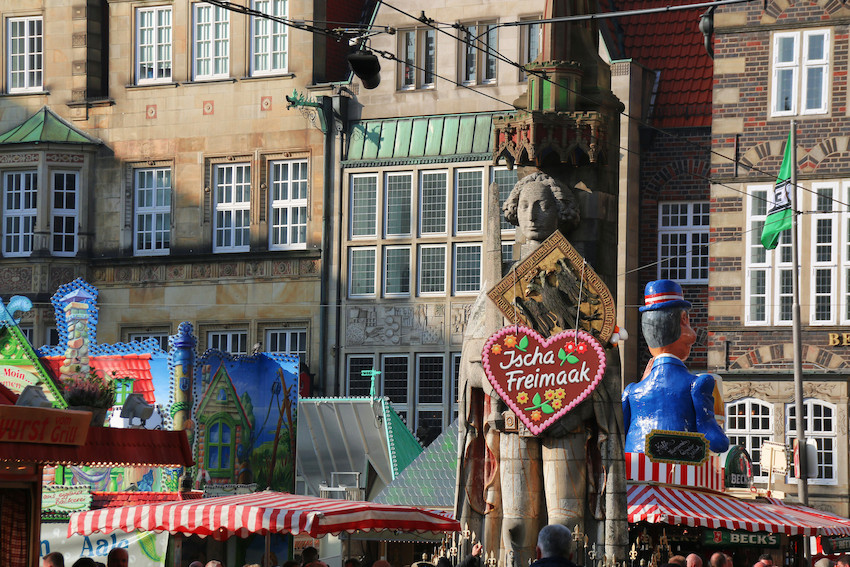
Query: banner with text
x=146 y=548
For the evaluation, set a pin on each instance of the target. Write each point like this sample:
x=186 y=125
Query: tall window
x=397 y=203
x=431 y=372
x=25 y=62
x=467 y=268
x=287 y=340
x=397 y=271
x=683 y=241
x=749 y=423
x=64 y=212
x=418 y=53
x=820 y=426
x=361 y=272
x=432 y=269
x=269 y=39
x=152 y=210
x=394 y=379
x=232 y=208
x=800 y=68
x=234 y=342
x=211 y=50
x=479 y=45
x=289 y=188
x=506 y=179
x=153 y=49
x=358 y=383
x=529 y=44
x=824 y=254
x=432 y=202
x=769 y=296
x=20 y=192
x=468 y=200
x=220 y=446
x=364 y=205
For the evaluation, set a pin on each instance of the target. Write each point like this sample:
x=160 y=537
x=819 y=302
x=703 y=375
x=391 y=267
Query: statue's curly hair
x=568 y=212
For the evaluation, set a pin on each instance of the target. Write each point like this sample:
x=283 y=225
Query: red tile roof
x=670 y=43
x=135 y=366
x=119 y=499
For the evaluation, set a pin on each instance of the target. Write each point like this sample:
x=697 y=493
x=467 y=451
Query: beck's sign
x=542 y=379
x=727 y=538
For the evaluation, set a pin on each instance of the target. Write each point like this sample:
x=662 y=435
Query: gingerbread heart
x=542 y=379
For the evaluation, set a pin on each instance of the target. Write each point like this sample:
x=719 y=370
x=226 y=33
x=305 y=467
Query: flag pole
x=802 y=488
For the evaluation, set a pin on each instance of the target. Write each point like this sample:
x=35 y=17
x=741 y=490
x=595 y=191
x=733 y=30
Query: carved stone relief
x=737 y=390
x=401 y=325
x=460 y=316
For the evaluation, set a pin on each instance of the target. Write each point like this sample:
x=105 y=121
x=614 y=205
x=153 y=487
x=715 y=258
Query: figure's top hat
x=663 y=294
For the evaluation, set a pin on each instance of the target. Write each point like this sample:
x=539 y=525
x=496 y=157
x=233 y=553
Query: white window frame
x=207 y=19
x=64 y=213
x=844 y=255
x=159 y=48
x=390 y=206
x=454 y=390
x=832 y=436
x=352 y=252
x=406 y=406
x=695 y=235
x=235 y=209
x=360 y=208
x=423 y=210
x=226 y=339
x=269 y=39
x=293 y=338
x=504 y=193
x=387 y=251
x=799 y=67
x=288 y=204
x=19 y=221
x=457 y=247
x=476 y=56
x=431 y=406
x=749 y=434
x=414 y=60
x=825 y=267
x=160 y=337
x=32 y=55
x=476 y=208
x=348 y=360
x=420 y=271
x=158 y=212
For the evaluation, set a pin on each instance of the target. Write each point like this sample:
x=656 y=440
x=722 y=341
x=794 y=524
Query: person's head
x=843 y=561
x=444 y=562
x=309 y=555
x=351 y=562
x=678 y=560
x=555 y=540
x=728 y=560
x=664 y=319
x=693 y=560
x=196 y=564
x=759 y=564
x=766 y=559
x=539 y=206
x=84 y=562
x=118 y=557
x=53 y=559
x=214 y=563
x=717 y=560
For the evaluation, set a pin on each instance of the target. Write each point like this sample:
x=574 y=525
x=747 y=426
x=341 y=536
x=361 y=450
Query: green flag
x=780 y=214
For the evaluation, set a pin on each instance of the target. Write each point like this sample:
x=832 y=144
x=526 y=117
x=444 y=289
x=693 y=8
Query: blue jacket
x=672 y=399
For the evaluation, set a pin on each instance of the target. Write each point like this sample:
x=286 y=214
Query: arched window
x=819 y=421
x=749 y=423
x=220 y=446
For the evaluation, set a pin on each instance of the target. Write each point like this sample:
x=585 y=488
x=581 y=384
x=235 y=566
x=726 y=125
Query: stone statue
x=669 y=397
x=512 y=483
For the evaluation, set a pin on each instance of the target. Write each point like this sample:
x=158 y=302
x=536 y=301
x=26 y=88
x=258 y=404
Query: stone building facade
x=775 y=62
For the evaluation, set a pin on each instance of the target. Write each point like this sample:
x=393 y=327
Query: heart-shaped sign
x=542 y=379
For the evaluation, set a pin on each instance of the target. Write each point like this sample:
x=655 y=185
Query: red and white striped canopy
x=679 y=506
x=261 y=513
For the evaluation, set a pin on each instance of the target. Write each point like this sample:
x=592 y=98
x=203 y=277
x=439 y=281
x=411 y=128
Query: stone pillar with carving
x=76 y=363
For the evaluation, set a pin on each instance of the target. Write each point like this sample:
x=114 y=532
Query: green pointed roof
x=16 y=350
x=45 y=126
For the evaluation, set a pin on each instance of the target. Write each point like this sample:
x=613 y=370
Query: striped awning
x=261 y=513
x=680 y=506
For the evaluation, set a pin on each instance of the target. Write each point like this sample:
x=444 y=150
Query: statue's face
x=537 y=212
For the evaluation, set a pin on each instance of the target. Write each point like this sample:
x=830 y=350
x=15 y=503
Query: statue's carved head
x=539 y=205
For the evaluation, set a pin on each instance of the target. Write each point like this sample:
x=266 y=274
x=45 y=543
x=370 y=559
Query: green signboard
x=727 y=538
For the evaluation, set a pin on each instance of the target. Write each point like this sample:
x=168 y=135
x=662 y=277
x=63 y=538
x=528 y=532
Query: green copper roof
x=403 y=445
x=16 y=351
x=421 y=139
x=430 y=479
x=45 y=126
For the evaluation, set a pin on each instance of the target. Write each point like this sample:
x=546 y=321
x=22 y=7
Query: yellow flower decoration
x=556 y=404
x=536 y=415
x=522 y=398
x=560 y=393
x=549 y=394
x=496 y=349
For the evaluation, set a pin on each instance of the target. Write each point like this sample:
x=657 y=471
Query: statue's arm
x=702 y=393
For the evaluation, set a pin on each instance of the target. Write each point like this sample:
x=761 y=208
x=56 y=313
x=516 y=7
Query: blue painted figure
x=669 y=397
